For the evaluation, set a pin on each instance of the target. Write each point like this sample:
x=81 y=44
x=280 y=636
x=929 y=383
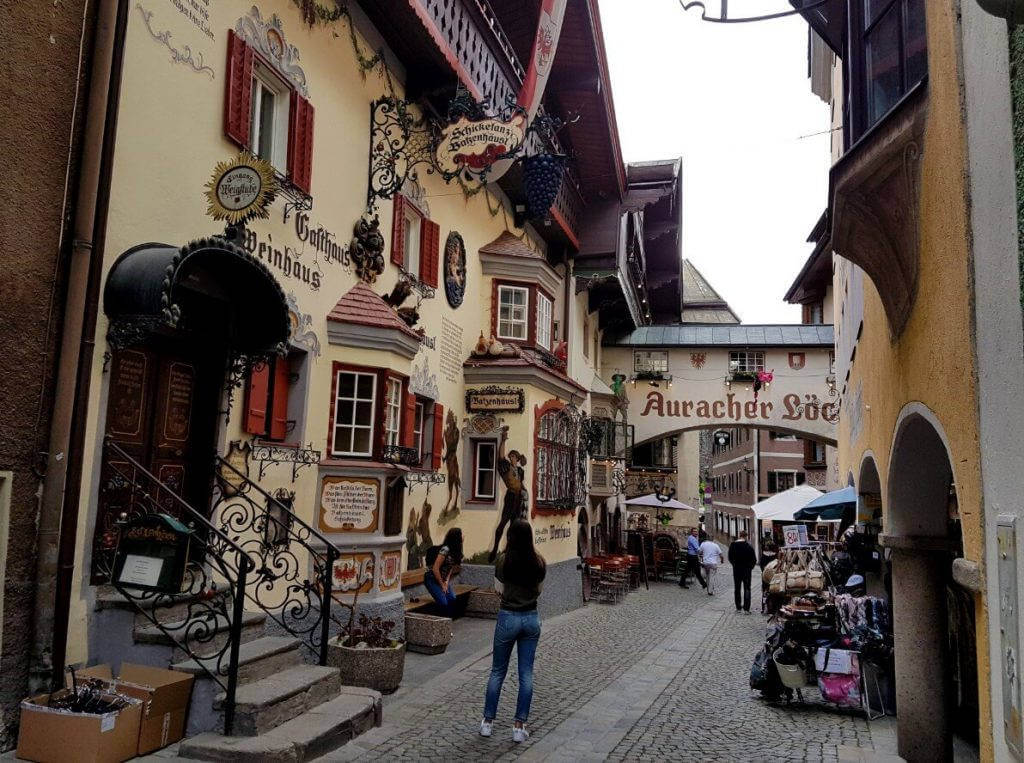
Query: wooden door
x=162 y=411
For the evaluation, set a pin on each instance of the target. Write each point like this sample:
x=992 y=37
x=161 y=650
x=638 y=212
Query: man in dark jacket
x=743 y=560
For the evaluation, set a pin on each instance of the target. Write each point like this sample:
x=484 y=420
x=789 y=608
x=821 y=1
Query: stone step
x=203 y=639
x=163 y=607
x=262 y=705
x=257 y=659
x=317 y=731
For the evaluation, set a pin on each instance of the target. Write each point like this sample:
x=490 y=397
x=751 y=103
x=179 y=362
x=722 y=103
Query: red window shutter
x=398 y=232
x=279 y=402
x=300 y=142
x=438 y=436
x=238 y=95
x=408 y=435
x=430 y=242
x=256 y=400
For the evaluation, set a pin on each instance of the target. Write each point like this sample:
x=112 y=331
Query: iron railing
x=295 y=593
x=215 y=560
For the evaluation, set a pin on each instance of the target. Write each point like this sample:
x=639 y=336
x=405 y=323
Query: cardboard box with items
x=89 y=725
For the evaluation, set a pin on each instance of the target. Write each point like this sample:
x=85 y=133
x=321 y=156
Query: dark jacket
x=742 y=556
x=514 y=596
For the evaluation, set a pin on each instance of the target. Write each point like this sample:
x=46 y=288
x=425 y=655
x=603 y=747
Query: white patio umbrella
x=653 y=501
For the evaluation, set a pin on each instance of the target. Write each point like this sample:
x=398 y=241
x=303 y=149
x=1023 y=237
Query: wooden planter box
x=427 y=634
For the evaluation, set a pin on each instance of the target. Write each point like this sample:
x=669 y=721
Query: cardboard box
x=164 y=693
x=55 y=736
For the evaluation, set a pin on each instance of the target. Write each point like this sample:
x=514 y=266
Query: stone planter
x=427 y=634
x=379 y=669
x=483 y=604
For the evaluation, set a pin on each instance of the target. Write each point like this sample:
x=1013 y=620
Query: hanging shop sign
x=454 y=269
x=241 y=189
x=495 y=400
x=349 y=504
x=794 y=535
x=152 y=552
x=474 y=145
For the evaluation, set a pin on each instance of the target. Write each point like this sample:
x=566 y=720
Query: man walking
x=743 y=560
x=710 y=557
x=692 y=560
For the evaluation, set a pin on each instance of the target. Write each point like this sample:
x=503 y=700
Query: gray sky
x=732 y=100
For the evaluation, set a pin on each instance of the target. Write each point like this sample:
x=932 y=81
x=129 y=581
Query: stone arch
x=712 y=427
x=869 y=487
x=934 y=632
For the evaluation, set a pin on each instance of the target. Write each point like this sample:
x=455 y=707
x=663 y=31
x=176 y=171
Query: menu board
x=180 y=383
x=127 y=388
x=349 y=504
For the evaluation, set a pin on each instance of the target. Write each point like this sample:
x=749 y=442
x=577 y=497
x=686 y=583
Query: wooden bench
x=426 y=602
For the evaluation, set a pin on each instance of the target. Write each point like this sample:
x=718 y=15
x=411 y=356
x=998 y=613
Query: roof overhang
x=827 y=18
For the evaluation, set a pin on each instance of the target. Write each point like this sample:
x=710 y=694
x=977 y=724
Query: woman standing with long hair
x=442 y=562
x=519 y=574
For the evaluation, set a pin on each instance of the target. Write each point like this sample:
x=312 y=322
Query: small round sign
x=239 y=188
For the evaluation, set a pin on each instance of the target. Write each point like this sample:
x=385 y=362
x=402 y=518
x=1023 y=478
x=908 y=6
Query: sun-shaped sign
x=241 y=189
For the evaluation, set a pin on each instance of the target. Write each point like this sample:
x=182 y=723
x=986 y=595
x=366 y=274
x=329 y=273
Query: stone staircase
x=285 y=708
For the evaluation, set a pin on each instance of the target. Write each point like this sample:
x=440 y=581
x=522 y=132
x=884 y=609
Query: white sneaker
x=519 y=733
x=485 y=728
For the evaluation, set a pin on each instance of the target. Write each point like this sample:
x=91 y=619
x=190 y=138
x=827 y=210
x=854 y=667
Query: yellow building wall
x=931 y=362
x=169 y=138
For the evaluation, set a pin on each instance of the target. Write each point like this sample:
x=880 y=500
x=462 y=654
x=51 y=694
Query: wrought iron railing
x=293 y=562
x=211 y=600
x=400 y=454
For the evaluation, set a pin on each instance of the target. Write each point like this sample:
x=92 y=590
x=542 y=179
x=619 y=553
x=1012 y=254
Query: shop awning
x=158 y=286
x=783 y=506
x=830 y=505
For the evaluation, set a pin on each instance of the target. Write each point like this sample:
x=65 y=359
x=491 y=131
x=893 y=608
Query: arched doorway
x=933 y=621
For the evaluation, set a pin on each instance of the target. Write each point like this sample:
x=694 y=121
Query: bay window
x=354 y=414
x=392 y=411
x=513 y=303
x=543 y=321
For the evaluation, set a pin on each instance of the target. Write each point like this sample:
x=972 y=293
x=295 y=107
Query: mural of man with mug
x=510 y=469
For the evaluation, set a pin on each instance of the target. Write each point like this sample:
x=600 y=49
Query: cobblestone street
x=661 y=676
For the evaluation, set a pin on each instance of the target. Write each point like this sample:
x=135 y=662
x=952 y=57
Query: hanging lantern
x=542 y=177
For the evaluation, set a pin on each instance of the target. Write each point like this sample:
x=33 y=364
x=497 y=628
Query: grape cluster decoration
x=542 y=178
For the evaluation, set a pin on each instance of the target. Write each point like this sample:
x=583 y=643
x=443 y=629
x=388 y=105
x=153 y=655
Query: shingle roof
x=509 y=245
x=776 y=335
x=364 y=306
x=701 y=303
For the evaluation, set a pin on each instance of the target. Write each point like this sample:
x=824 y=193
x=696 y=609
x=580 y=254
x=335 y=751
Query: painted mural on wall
x=451 y=461
x=454 y=269
x=390 y=571
x=354 y=572
x=183 y=54
x=302 y=333
x=511 y=469
x=417 y=535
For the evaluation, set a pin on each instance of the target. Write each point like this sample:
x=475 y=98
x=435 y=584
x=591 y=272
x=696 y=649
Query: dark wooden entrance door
x=162 y=411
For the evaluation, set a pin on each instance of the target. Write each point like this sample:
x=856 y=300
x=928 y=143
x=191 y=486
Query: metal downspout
x=58 y=519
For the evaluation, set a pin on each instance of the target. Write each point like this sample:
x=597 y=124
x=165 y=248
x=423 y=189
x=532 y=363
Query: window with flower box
x=746 y=361
x=372 y=414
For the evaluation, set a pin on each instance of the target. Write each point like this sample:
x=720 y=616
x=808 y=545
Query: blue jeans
x=513 y=628
x=446 y=601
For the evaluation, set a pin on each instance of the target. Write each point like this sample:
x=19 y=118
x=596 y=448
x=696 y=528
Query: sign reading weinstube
x=241 y=189
x=476 y=145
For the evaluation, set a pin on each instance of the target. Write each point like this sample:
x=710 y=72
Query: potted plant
x=365 y=652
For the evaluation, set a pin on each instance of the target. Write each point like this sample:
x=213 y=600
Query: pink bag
x=840 y=689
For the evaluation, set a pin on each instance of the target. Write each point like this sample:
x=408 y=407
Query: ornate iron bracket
x=269 y=453
x=297 y=199
x=423 y=291
x=724 y=17
x=424 y=478
x=399 y=454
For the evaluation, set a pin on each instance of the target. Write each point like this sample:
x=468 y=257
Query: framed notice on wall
x=349 y=504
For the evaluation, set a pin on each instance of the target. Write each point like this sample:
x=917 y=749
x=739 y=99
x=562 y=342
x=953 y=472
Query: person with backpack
x=442 y=562
x=518 y=576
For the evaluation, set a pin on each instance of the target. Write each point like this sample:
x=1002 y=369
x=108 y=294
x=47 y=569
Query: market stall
x=779 y=510
x=824 y=632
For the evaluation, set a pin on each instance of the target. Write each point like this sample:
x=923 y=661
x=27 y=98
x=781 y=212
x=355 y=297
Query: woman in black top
x=442 y=563
x=519 y=574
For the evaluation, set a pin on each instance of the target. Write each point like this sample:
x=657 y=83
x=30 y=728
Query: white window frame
x=412 y=234
x=393 y=412
x=746 y=361
x=417 y=429
x=477 y=470
x=353 y=400
x=653 y=361
x=511 y=320
x=263 y=77
x=545 y=307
